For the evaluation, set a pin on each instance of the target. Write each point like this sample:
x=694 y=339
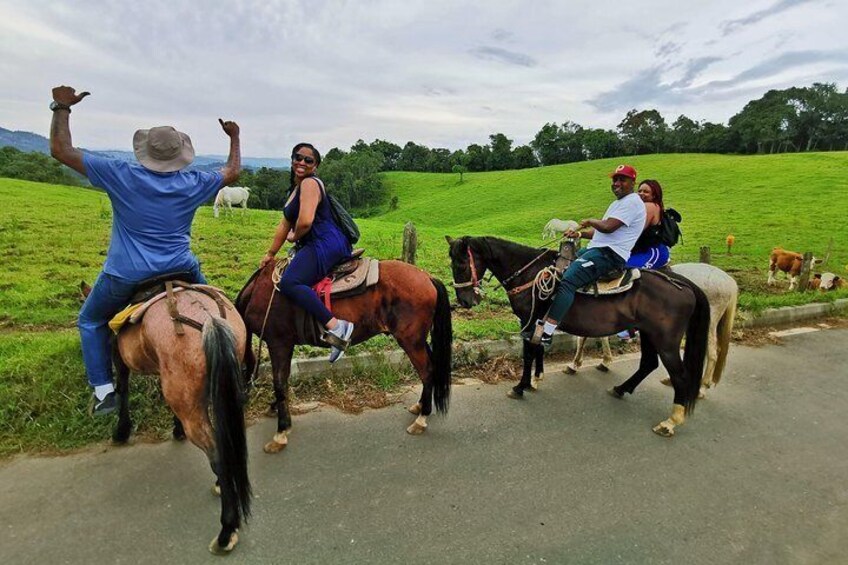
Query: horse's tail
x=697 y=334
x=223 y=375
x=724 y=331
x=441 y=338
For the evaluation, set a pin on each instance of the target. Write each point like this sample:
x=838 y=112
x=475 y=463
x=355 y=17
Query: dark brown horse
x=664 y=308
x=198 y=368
x=406 y=303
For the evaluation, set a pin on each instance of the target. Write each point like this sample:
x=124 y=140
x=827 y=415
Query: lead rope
x=276 y=275
x=544 y=285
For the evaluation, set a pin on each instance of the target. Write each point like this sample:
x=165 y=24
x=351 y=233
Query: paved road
x=760 y=475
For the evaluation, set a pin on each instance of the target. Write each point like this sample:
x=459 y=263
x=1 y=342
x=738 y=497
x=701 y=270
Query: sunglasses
x=297 y=158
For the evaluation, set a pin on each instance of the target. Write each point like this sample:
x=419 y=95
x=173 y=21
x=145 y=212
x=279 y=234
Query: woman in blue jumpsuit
x=319 y=243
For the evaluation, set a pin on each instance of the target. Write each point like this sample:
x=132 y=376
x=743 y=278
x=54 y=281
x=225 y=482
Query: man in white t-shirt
x=612 y=239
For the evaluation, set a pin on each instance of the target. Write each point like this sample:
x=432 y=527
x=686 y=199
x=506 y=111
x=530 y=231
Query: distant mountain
x=28 y=141
x=24 y=140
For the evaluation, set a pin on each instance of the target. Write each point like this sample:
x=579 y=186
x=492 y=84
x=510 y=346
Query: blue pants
x=651 y=258
x=109 y=295
x=296 y=283
x=590 y=265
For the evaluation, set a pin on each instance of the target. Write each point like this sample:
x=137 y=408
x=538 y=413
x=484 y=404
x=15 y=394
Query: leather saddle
x=614 y=282
x=165 y=286
x=353 y=276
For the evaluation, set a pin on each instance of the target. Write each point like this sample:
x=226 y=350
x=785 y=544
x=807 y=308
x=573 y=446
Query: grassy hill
x=51 y=237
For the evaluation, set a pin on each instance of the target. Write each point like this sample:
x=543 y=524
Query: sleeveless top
x=325 y=237
x=650 y=238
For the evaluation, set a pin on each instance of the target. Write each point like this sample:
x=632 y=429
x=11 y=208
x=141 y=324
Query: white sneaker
x=343 y=331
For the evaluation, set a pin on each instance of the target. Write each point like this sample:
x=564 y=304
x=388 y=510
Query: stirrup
x=334 y=340
x=538 y=332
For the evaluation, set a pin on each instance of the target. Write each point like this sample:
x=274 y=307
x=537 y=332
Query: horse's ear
x=85 y=289
x=449 y=239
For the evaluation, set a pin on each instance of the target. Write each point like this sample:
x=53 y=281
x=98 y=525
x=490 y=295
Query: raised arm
x=61 y=146
x=232 y=169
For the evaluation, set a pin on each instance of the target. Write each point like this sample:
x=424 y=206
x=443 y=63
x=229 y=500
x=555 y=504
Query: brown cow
x=787 y=261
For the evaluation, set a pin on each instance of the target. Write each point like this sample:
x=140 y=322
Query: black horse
x=664 y=307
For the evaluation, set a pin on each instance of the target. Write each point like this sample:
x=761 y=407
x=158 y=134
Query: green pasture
x=52 y=237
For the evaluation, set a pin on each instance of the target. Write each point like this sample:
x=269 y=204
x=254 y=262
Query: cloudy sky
x=445 y=73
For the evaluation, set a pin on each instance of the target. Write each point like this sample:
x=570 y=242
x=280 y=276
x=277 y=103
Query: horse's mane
x=503 y=246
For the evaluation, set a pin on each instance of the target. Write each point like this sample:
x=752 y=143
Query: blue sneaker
x=339 y=339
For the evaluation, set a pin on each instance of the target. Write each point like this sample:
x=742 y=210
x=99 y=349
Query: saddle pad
x=122 y=317
x=615 y=286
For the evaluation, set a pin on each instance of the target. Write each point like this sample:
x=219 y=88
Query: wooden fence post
x=804 y=277
x=410 y=243
x=827 y=253
x=705 y=254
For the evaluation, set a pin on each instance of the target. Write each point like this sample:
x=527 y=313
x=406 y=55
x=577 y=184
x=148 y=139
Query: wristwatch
x=56 y=106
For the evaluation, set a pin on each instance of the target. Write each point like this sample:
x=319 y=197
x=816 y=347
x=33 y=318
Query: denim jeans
x=590 y=265
x=109 y=295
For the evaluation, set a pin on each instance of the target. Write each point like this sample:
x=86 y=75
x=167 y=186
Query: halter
x=474 y=282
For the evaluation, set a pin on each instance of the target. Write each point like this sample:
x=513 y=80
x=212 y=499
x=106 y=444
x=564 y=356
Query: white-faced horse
x=230 y=196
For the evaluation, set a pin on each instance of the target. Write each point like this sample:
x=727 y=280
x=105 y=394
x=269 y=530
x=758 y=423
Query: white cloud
x=443 y=73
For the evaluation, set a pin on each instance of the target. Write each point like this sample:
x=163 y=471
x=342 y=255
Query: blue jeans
x=590 y=265
x=296 y=283
x=109 y=295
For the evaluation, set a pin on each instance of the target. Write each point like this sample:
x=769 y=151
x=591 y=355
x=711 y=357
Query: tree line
x=813 y=118
x=34 y=166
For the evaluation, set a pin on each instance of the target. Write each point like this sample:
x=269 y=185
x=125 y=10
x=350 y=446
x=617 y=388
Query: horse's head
x=468 y=268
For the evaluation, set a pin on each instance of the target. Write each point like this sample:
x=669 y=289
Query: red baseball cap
x=624 y=170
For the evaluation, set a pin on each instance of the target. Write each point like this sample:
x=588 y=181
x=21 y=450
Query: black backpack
x=669 y=232
x=341 y=216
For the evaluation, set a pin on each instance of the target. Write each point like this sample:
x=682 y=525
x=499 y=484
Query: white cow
x=230 y=196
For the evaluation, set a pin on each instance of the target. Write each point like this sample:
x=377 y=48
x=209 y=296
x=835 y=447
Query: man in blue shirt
x=153 y=205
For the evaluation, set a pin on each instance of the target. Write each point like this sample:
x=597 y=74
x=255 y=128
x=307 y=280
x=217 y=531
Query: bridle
x=474 y=282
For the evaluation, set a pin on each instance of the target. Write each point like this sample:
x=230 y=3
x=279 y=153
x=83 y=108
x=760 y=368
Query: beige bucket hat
x=163 y=149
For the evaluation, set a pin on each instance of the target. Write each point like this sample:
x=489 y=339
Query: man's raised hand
x=67 y=95
x=230 y=128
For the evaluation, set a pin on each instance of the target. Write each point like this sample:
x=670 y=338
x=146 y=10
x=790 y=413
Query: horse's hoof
x=416 y=429
x=415 y=409
x=515 y=394
x=666 y=381
x=569 y=370
x=602 y=368
x=277 y=444
x=662 y=430
x=701 y=394
x=216 y=489
x=218 y=550
x=615 y=393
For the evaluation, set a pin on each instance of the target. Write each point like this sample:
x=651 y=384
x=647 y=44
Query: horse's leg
x=525 y=383
x=606 y=361
x=281 y=356
x=670 y=355
x=577 y=362
x=540 y=365
x=419 y=354
x=124 y=427
x=249 y=363
x=647 y=364
x=712 y=358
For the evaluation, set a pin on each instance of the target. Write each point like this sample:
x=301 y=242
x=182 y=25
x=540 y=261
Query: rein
x=279 y=267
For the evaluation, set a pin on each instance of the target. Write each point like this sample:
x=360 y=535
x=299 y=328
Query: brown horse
x=199 y=367
x=406 y=303
x=663 y=307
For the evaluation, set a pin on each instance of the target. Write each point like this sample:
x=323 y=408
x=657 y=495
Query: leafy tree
x=684 y=135
x=36 y=167
x=523 y=157
x=478 y=157
x=601 y=144
x=439 y=161
x=459 y=169
x=413 y=157
x=389 y=151
x=643 y=132
x=500 y=157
